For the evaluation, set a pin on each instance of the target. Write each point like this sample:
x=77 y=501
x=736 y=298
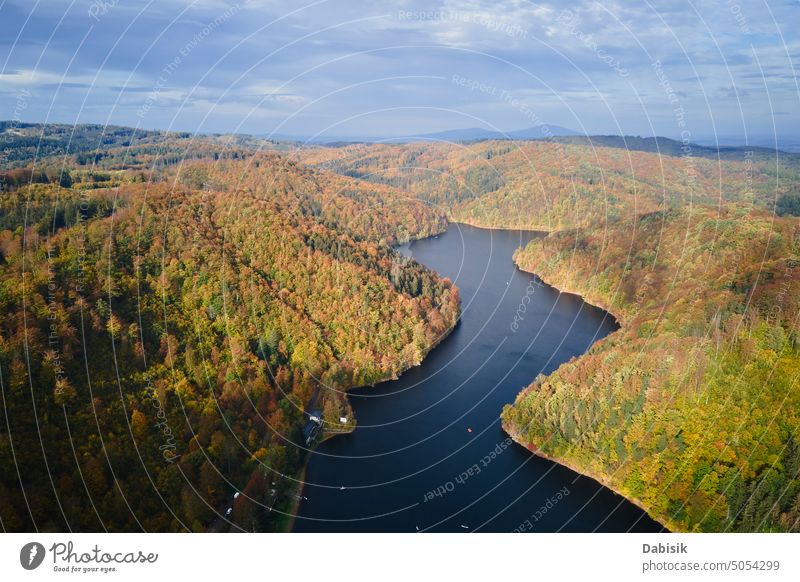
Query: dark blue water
x=413 y=434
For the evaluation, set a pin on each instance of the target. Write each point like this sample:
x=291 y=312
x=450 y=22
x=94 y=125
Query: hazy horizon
x=788 y=144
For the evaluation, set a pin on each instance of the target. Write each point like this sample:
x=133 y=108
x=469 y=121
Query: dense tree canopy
x=174 y=303
x=692 y=407
x=161 y=340
x=548 y=185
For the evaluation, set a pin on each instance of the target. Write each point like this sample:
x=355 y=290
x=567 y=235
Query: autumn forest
x=174 y=306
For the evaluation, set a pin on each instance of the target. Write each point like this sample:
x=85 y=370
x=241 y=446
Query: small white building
x=343 y=419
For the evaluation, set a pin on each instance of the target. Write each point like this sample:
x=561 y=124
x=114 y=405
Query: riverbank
x=590 y=298
x=602 y=479
x=599 y=478
x=351 y=413
x=297 y=493
x=543 y=230
x=669 y=409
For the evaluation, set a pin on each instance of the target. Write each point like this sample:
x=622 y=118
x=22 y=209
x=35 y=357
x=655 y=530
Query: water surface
x=430 y=430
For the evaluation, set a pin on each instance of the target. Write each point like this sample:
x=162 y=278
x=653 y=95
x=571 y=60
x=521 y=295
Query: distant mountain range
x=478 y=134
x=728 y=148
x=50 y=139
x=453 y=135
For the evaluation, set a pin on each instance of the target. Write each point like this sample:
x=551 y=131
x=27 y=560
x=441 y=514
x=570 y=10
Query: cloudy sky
x=384 y=68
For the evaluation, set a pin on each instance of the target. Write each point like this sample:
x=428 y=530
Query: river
x=429 y=453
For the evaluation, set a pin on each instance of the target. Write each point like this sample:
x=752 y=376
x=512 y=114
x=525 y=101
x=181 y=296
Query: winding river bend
x=429 y=453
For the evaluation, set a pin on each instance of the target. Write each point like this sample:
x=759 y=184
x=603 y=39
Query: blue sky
x=394 y=68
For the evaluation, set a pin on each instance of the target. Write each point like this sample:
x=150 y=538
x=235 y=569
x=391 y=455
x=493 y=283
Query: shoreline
x=542 y=231
x=601 y=479
x=597 y=302
x=301 y=476
x=292 y=513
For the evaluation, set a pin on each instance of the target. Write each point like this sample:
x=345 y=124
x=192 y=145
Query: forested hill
x=103 y=147
x=693 y=408
x=162 y=338
x=671 y=147
x=554 y=186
